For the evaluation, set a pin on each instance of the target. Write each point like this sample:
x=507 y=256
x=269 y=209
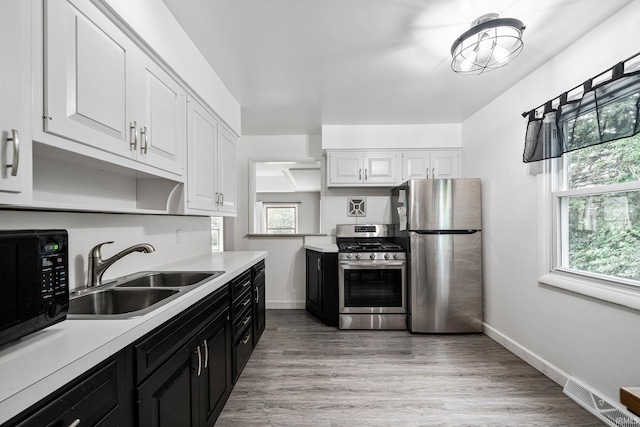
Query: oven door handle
x=380 y=264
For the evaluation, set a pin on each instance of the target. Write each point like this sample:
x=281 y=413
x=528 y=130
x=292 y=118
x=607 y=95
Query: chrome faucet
x=97 y=265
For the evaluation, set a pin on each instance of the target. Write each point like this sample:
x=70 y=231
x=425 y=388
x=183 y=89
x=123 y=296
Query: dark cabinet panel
x=322 y=286
x=164 y=399
x=95 y=399
x=259 y=301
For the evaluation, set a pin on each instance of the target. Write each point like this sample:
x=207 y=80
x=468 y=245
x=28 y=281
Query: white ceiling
x=294 y=65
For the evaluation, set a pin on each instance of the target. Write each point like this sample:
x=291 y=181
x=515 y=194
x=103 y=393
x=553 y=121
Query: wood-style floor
x=303 y=373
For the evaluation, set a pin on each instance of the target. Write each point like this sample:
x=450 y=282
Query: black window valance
x=605 y=112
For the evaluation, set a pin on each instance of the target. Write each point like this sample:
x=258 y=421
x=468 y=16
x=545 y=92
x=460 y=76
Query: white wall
x=154 y=23
x=308 y=208
x=88 y=229
x=445 y=135
x=285 y=263
x=590 y=340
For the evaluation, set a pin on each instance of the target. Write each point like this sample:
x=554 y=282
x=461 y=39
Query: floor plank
x=303 y=373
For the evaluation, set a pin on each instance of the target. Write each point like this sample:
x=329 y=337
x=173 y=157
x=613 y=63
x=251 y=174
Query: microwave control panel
x=53 y=269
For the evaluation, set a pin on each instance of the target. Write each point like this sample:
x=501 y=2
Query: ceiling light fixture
x=490 y=43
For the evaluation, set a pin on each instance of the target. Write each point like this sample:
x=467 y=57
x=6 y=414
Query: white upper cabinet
x=227 y=171
x=161 y=136
x=349 y=168
x=102 y=90
x=15 y=96
x=429 y=164
x=211 y=184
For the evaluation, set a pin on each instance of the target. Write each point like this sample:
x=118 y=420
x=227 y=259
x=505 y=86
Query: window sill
x=619 y=295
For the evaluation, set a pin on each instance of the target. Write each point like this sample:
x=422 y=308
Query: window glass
x=281 y=219
x=610 y=163
x=216 y=234
x=598 y=208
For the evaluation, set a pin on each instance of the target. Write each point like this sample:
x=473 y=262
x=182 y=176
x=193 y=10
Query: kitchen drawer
x=240 y=284
x=242 y=321
x=241 y=304
x=153 y=349
x=241 y=351
x=258 y=272
x=96 y=399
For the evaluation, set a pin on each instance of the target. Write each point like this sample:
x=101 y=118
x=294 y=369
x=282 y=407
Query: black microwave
x=34 y=290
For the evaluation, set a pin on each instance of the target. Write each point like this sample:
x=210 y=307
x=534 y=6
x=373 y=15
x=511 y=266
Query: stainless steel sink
x=136 y=294
x=167 y=279
x=110 y=302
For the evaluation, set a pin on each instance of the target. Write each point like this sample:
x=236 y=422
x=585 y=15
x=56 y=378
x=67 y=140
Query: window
x=281 y=218
x=596 y=211
x=217 y=234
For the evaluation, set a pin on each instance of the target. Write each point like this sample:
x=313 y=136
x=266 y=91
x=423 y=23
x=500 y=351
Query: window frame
x=552 y=213
x=274 y=205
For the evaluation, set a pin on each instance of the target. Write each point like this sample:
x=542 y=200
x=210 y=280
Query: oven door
x=372 y=287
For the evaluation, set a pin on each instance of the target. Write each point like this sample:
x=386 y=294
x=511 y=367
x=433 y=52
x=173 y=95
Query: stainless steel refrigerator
x=438 y=222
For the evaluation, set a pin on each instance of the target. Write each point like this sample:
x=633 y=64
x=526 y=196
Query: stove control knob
x=386 y=256
x=357 y=256
x=348 y=256
x=372 y=256
x=395 y=256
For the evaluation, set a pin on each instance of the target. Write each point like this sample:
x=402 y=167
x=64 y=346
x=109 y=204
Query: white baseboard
x=288 y=305
x=542 y=365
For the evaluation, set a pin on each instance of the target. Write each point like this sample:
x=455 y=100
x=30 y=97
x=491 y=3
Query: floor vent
x=607 y=412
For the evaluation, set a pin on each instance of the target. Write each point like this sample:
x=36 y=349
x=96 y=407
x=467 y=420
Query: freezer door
x=444 y=204
x=445 y=283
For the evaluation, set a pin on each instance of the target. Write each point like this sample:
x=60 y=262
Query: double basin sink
x=136 y=295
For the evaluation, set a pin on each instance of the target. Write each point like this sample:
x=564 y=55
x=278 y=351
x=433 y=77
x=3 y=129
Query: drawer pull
x=206 y=354
x=76 y=423
x=257 y=295
x=246 y=339
x=246 y=302
x=199 y=360
x=15 y=138
x=245 y=284
x=246 y=320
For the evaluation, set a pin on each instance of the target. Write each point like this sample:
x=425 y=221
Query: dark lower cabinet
x=259 y=301
x=192 y=384
x=97 y=398
x=322 y=286
x=180 y=374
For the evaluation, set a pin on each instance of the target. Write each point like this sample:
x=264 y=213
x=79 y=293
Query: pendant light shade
x=490 y=43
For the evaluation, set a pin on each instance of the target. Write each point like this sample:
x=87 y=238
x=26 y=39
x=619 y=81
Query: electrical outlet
x=179 y=236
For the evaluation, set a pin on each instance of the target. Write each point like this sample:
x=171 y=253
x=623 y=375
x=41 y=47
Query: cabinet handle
x=221 y=199
x=319 y=265
x=75 y=423
x=365 y=175
x=257 y=295
x=246 y=339
x=246 y=320
x=144 y=148
x=245 y=284
x=246 y=302
x=217 y=199
x=133 y=135
x=433 y=173
x=206 y=354
x=427 y=171
x=199 y=360
x=359 y=173
x=15 y=138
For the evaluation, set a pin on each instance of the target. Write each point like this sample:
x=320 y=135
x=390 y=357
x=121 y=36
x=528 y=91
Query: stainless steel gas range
x=372 y=278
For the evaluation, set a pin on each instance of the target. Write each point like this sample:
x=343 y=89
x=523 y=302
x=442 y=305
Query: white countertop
x=321 y=247
x=40 y=363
